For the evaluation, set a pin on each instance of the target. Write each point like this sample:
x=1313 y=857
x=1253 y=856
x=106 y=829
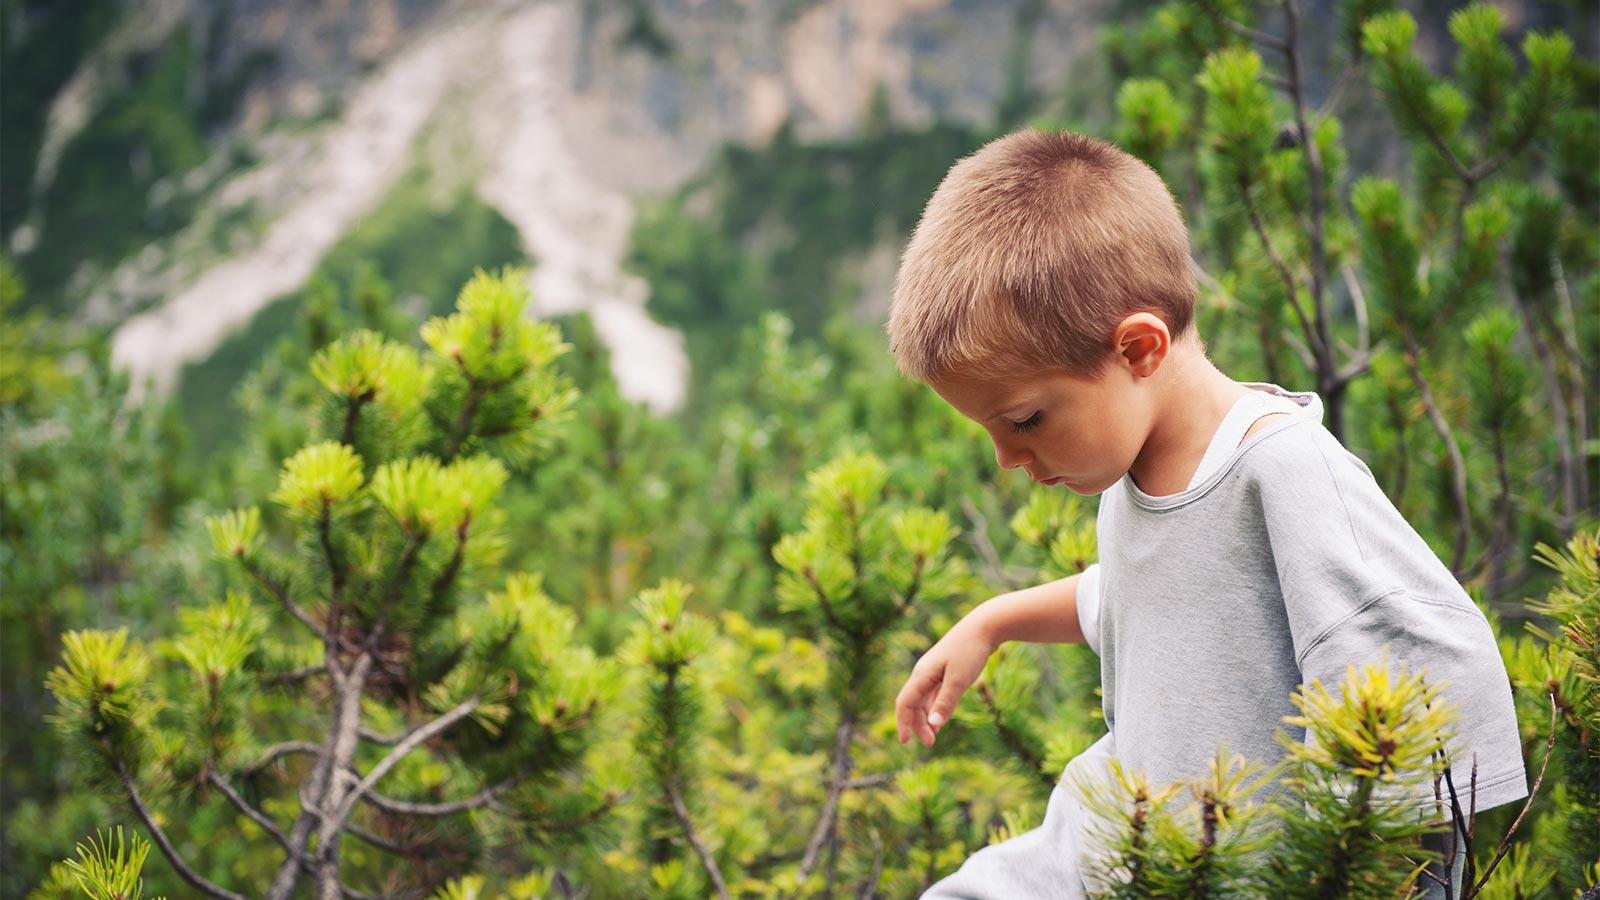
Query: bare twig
x=1358 y=299
x=1300 y=349
x=1210 y=281
x=1457 y=464
x=1505 y=842
x=1290 y=283
x=276 y=750
x=1250 y=34
x=1331 y=102
x=368 y=734
x=980 y=539
x=294 y=677
x=867 y=781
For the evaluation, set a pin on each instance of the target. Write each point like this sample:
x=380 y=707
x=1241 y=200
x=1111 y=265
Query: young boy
x=1048 y=295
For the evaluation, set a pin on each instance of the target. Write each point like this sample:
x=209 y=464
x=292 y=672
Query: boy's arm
x=1044 y=613
x=1360 y=586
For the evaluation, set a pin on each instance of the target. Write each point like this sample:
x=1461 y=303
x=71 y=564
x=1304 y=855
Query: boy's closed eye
x=1027 y=424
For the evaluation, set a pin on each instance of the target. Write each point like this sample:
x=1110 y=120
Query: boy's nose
x=1011 y=458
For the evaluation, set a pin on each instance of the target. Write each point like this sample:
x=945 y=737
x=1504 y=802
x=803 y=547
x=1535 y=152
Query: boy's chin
x=1085 y=488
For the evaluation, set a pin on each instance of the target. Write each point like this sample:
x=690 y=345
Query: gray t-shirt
x=1286 y=563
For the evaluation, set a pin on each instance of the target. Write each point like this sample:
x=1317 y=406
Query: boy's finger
x=944 y=706
x=910 y=707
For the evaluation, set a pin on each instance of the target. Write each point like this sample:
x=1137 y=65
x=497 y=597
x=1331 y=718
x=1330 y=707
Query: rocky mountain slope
x=559 y=114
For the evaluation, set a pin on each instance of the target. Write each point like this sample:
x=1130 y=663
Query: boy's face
x=1060 y=427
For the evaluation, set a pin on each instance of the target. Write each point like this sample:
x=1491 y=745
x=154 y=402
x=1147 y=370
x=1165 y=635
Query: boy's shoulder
x=1291 y=444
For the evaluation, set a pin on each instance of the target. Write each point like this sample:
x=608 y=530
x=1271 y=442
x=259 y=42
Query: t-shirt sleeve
x=1089 y=606
x=1356 y=578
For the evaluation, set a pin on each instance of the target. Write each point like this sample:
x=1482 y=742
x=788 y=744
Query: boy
x=1048 y=295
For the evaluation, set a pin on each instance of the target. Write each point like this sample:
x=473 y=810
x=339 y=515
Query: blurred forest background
x=472 y=420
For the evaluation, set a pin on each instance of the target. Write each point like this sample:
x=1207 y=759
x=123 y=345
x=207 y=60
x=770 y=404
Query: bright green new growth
x=1171 y=842
x=1342 y=826
x=317 y=478
x=1360 y=785
x=103 y=693
x=234 y=533
x=106 y=873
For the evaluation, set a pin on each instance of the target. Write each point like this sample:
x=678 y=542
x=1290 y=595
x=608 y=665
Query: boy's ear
x=1142 y=341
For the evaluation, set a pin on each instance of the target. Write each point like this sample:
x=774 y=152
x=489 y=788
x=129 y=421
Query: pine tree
x=387 y=663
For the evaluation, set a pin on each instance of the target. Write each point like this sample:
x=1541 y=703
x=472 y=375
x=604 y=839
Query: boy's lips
x=1049 y=481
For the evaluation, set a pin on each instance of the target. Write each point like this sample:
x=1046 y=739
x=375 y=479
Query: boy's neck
x=1193 y=399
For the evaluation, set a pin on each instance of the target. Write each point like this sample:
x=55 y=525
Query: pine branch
x=294 y=677
x=681 y=813
x=869 y=887
x=255 y=815
x=391 y=590
x=1012 y=739
x=483 y=798
x=170 y=852
x=282 y=593
x=1290 y=282
x=1271 y=41
x=822 y=599
x=390 y=740
x=610 y=802
x=1434 y=137
x=913 y=589
x=335 y=569
x=1362 y=360
x=412 y=740
x=351 y=413
x=380 y=842
x=276 y=750
x=1519 y=143
x=840 y=772
x=332 y=759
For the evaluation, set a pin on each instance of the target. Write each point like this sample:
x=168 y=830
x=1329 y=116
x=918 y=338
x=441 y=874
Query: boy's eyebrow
x=1011 y=409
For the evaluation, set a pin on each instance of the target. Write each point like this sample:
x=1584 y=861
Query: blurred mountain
x=235 y=143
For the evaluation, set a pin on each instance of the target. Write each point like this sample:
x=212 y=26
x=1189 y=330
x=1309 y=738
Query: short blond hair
x=1030 y=252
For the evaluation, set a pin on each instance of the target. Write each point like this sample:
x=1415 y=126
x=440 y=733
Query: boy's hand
x=939 y=679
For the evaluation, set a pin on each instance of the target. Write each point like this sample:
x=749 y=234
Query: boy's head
x=1030 y=254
